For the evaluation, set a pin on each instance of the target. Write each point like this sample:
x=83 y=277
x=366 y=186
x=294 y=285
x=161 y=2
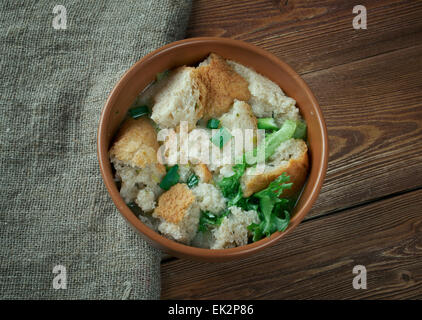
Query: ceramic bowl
x=190 y=52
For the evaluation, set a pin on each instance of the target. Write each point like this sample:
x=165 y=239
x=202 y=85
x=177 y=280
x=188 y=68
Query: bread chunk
x=219 y=85
x=134 y=156
x=178 y=100
x=178 y=213
x=290 y=157
x=233 y=230
x=240 y=116
x=267 y=99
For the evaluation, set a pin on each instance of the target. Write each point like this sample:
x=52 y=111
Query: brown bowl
x=190 y=52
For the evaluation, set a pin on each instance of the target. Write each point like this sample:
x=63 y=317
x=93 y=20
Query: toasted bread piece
x=202 y=171
x=219 y=85
x=267 y=98
x=134 y=156
x=178 y=213
x=291 y=157
x=136 y=144
x=178 y=100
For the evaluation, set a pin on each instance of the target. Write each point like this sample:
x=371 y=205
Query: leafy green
x=221 y=137
x=210 y=219
x=250 y=203
x=139 y=112
x=300 y=132
x=272 y=141
x=171 y=178
x=273 y=212
x=267 y=124
x=192 y=181
x=230 y=186
x=213 y=123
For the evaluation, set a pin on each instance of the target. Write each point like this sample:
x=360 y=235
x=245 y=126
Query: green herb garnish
x=267 y=124
x=273 y=212
x=230 y=186
x=221 y=137
x=210 y=219
x=272 y=141
x=138 y=112
x=300 y=132
x=192 y=181
x=213 y=123
x=171 y=178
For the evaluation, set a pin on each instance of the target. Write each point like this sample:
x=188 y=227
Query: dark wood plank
x=373 y=110
x=317 y=259
x=311 y=35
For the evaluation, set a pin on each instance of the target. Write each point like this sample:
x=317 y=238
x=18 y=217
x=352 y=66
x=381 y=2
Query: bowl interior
x=190 y=52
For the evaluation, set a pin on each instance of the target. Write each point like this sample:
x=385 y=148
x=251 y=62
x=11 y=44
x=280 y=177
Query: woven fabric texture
x=54 y=208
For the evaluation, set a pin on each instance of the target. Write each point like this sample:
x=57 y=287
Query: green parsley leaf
x=138 y=112
x=221 y=137
x=171 y=178
x=208 y=219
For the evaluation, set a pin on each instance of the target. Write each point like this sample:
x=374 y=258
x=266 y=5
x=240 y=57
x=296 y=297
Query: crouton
x=134 y=156
x=136 y=143
x=233 y=231
x=178 y=213
x=219 y=86
x=267 y=98
x=178 y=100
x=290 y=157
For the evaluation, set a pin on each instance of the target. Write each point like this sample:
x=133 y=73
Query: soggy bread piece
x=237 y=120
x=267 y=98
x=134 y=156
x=220 y=85
x=178 y=213
x=209 y=198
x=240 y=116
x=290 y=157
x=178 y=100
x=233 y=230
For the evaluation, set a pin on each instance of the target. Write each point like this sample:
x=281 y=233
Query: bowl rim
x=173 y=247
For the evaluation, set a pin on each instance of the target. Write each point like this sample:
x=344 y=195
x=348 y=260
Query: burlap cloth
x=55 y=209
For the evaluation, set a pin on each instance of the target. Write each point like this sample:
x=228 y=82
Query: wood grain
x=373 y=110
x=317 y=259
x=311 y=35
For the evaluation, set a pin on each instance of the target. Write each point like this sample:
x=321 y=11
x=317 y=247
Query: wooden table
x=369 y=85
